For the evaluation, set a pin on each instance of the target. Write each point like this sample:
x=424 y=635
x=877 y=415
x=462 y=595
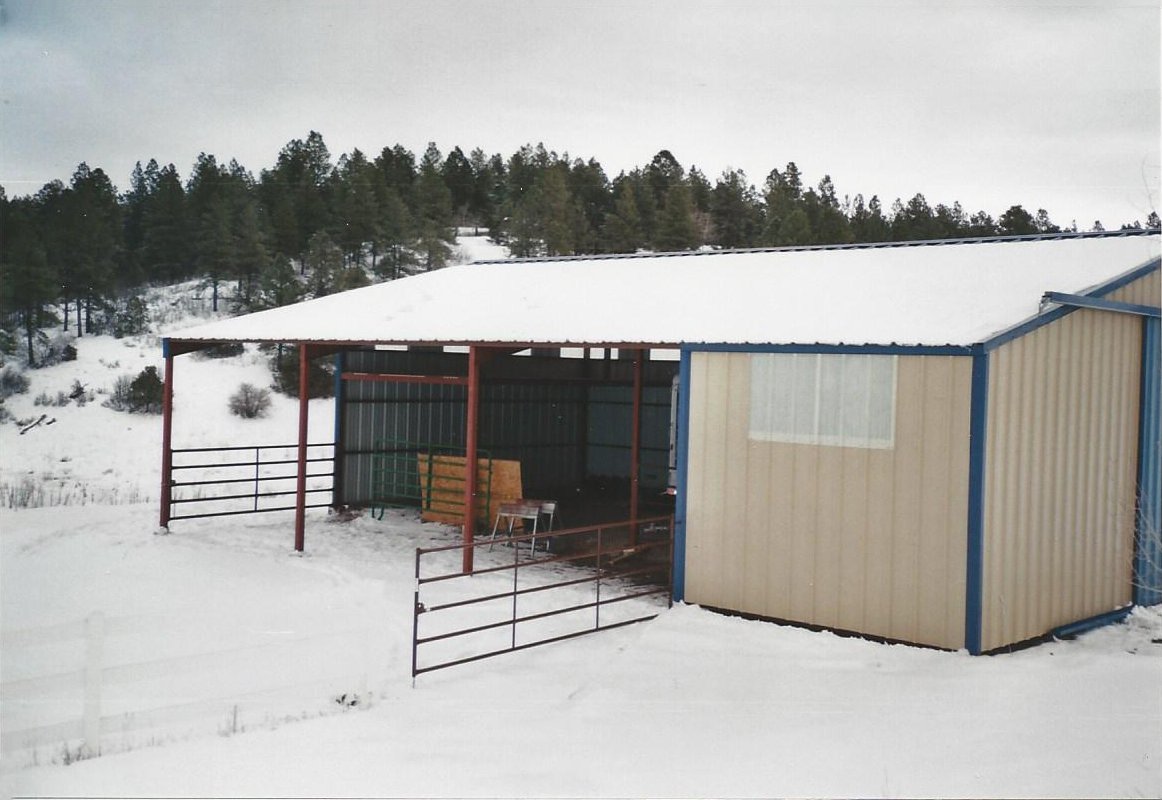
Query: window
x=811 y=398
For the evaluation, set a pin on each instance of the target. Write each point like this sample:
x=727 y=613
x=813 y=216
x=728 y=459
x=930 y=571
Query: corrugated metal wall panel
x=610 y=426
x=1059 y=484
x=542 y=425
x=1146 y=291
x=860 y=539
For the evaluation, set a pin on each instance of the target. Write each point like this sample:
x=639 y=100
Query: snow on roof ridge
x=1031 y=237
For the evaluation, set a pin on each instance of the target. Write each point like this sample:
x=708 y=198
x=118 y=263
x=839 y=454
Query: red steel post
x=301 y=487
x=635 y=455
x=471 y=421
x=166 y=436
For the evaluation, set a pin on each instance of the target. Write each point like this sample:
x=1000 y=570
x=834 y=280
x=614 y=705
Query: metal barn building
x=953 y=444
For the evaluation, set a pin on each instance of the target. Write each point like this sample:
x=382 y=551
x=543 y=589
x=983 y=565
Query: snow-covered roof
x=939 y=294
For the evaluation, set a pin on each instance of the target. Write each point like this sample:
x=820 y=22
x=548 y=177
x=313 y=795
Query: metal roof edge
x=891 y=349
x=1045 y=317
x=1112 y=285
x=1035 y=237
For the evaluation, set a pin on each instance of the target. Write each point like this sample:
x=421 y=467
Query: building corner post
x=338 y=491
x=1147 y=573
x=977 y=447
x=681 y=464
x=301 y=481
x=471 y=425
x=166 y=436
x=635 y=457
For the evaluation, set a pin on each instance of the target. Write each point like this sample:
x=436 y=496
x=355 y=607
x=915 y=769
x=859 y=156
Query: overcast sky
x=1050 y=105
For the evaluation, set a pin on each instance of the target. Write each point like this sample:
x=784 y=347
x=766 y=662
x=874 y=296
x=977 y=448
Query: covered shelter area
x=950 y=443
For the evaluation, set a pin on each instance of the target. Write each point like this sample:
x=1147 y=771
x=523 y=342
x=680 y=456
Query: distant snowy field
x=231 y=666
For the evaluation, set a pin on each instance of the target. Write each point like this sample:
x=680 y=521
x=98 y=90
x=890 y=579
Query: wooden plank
x=446 y=488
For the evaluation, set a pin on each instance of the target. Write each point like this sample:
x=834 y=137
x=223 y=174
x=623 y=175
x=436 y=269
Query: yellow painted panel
x=871 y=540
x=1146 y=291
x=1060 y=469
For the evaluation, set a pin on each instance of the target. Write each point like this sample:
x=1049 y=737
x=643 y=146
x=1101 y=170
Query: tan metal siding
x=1146 y=291
x=1059 y=474
x=852 y=538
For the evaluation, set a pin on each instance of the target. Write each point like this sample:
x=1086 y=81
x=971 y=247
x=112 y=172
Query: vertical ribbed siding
x=555 y=428
x=851 y=538
x=1146 y=291
x=1059 y=485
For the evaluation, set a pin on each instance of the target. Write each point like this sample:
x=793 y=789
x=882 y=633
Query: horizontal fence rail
x=81 y=689
x=246 y=479
x=598 y=577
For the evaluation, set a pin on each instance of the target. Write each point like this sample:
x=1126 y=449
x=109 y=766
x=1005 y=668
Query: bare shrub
x=139 y=395
x=12 y=381
x=250 y=402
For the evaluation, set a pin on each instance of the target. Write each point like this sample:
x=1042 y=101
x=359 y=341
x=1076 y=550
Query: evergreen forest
x=74 y=255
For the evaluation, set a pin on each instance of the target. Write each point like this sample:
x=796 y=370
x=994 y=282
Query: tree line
x=310 y=225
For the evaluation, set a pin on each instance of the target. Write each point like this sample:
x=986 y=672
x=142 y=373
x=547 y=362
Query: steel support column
x=470 y=471
x=166 y=435
x=635 y=455
x=301 y=484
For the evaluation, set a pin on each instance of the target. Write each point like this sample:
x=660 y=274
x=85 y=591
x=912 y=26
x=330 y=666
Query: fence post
x=94 y=646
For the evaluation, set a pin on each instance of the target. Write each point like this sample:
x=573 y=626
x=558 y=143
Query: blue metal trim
x=165 y=347
x=974 y=574
x=1124 y=280
x=851 y=349
x=683 y=463
x=1147 y=535
x=1100 y=304
x=1089 y=623
x=1030 y=325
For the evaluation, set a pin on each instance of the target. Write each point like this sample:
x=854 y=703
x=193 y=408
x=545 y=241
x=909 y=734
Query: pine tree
x=950 y=221
x=700 y=196
x=295 y=191
x=661 y=173
x=795 y=229
x=355 y=208
x=324 y=260
x=676 y=228
x=486 y=180
x=278 y=285
x=592 y=202
x=459 y=178
x=396 y=237
x=166 y=246
x=622 y=232
x=1044 y=224
x=914 y=221
x=1017 y=222
x=829 y=224
x=143 y=186
x=27 y=287
x=557 y=217
x=433 y=211
x=91 y=238
x=867 y=222
x=734 y=211
x=214 y=252
x=251 y=256
x=981 y=224
x=782 y=194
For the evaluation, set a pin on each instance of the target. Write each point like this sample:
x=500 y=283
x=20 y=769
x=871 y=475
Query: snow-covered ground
x=232 y=668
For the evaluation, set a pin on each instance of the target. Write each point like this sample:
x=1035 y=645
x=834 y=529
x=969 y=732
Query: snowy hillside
x=229 y=667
